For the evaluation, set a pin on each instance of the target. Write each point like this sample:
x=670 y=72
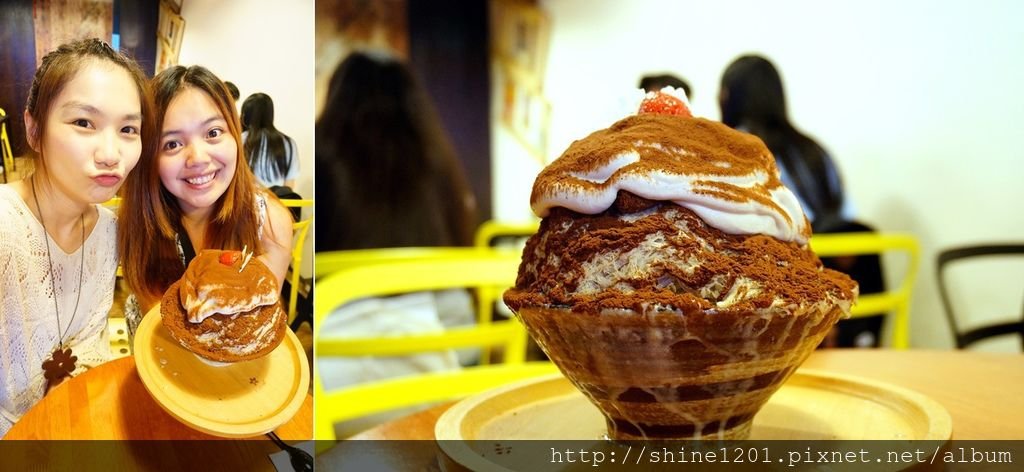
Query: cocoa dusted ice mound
x=671 y=280
x=226 y=308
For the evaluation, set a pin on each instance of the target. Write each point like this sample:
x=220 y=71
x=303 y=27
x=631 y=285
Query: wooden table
x=110 y=402
x=981 y=391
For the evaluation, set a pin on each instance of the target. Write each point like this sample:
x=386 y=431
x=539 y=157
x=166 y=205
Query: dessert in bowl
x=671 y=279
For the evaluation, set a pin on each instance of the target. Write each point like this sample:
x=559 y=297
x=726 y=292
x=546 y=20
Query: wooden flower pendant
x=60 y=365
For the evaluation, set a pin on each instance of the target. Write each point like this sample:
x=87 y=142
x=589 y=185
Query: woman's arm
x=277 y=240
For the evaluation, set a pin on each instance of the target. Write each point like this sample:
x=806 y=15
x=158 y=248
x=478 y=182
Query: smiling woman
x=192 y=195
x=89 y=119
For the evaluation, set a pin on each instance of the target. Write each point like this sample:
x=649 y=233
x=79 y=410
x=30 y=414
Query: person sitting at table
x=195 y=193
x=656 y=82
x=751 y=99
x=88 y=119
x=272 y=155
x=388 y=177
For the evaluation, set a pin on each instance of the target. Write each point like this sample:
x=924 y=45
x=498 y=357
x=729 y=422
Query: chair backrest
x=113 y=203
x=333 y=261
x=493 y=229
x=966 y=336
x=295 y=205
x=5 y=146
x=297 y=202
x=486 y=236
x=487 y=295
x=448 y=268
x=896 y=298
x=300 y=229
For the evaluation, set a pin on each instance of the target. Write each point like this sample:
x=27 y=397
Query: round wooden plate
x=238 y=400
x=810 y=405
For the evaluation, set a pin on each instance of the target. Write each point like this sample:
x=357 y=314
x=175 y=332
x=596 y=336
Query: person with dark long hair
x=752 y=99
x=388 y=177
x=272 y=155
x=385 y=165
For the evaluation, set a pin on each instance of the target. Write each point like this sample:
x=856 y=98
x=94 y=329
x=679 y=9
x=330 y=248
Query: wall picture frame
x=170 y=32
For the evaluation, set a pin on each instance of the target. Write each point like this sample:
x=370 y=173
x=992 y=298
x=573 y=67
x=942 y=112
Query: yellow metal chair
x=895 y=300
x=300 y=230
x=5 y=147
x=448 y=268
x=485 y=236
x=295 y=206
x=113 y=203
x=493 y=229
x=297 y=203
x=329 y=262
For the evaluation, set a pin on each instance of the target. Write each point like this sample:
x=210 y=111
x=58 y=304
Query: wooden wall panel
x=60 y=21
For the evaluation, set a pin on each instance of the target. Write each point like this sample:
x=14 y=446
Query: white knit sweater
x=28 y=325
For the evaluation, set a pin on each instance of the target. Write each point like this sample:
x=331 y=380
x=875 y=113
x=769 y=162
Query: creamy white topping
x=689 y=191
x=595 y=191
x=213 y=298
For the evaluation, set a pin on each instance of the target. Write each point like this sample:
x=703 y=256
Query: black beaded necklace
x=61 y=362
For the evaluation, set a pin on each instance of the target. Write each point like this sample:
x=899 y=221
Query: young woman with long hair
x=272 y=155
x=197 y=193
x=88 y=119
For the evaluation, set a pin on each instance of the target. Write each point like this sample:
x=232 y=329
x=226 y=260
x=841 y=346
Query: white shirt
x=28 y=325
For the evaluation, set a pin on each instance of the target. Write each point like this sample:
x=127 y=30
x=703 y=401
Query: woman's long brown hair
x=150 y=216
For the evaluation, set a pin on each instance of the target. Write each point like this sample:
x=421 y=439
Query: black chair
x=965 y=337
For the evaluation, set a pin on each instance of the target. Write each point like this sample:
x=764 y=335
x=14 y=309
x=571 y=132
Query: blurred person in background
x=752 y=99
x=272 y=155
x=387 y=176
x=233 y=90
x=384 y=163
x=235 y=95
x=654 y=83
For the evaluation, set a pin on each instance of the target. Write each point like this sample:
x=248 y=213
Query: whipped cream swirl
x=726 y=177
